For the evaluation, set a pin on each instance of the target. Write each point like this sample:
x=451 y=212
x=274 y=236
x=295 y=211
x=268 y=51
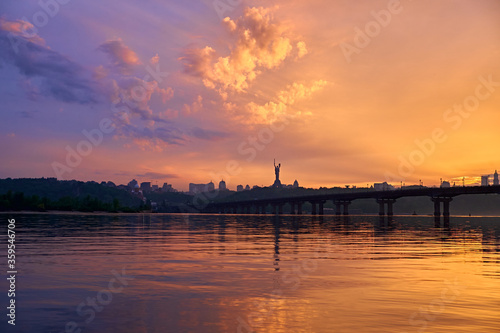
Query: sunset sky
x=338 y=91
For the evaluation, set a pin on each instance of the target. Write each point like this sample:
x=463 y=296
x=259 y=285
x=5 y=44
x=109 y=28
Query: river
x=244 y=273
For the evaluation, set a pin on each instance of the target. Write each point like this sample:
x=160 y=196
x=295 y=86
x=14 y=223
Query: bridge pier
x=299 y=208
x=321 y=204
x=345 y=207
x=382 y=203
x=313 y=208
x=446 y=206
x=338 y=206
x=437 y=207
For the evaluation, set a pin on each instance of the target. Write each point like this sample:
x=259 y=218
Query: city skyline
x=339 y=93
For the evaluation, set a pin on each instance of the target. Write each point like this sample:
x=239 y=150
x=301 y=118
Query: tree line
x=17 y=201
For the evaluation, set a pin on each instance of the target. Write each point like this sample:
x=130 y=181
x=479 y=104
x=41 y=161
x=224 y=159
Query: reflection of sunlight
x=277 y=314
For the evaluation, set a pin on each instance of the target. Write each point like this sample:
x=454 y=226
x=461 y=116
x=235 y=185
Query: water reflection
x=233 y=273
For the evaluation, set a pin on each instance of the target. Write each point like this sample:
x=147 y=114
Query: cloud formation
x=123 y=59
x=279 y=107
x=204 y=134
x=60 y=77
x=156 y=175
x=261 y=43
x=135 y=95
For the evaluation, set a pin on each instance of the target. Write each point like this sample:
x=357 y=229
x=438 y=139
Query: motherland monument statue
x=277 y=182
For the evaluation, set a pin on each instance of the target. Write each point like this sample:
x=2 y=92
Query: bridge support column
x=382 y=203
x=280 y=209
x=346 y=208
x=338 y=208
x=299 y=208
x=321 y=211
x=390 y=211
x=313 y=207
x=292 y=208
x=437 y=207
x=381 y=209
x=446 y=206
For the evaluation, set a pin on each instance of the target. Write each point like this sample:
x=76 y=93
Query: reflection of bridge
x=342 y=201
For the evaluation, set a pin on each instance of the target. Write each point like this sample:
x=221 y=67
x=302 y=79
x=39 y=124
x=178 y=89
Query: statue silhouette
x=277 y=170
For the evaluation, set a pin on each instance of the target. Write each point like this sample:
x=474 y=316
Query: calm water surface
x=235 y=273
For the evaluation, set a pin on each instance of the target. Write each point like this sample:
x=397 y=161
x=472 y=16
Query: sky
x=339 y=92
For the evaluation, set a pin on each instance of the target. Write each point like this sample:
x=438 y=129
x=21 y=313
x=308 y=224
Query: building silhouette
x=222 y=185
x=200 y=188
x=383 y=187
x=146 y=186
x=445 y=183
x=485 y=180
x=495 y=178
x=132 y=183
x=239 y=188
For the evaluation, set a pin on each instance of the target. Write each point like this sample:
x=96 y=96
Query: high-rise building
x=146 y=186
x=485 y=180
x=167 y=187
x=239 y=188
x=247 y=188
x=222 y=185
x=495 y=178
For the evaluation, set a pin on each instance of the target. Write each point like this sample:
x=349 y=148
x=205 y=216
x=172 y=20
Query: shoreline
x=59 y=212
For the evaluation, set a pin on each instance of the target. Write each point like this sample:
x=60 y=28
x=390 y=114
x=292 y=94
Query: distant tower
x=222 y=185
x=485 y=180
x=295 y=184
x=247 y=188
x=495 y=178
x=239 y=188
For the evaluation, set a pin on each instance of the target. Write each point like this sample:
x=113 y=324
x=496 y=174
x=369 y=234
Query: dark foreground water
x=223 y=273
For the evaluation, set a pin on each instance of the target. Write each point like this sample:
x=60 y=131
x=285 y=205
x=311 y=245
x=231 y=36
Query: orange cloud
x=122 y=57
x=274 y=110
x=22 y=29
x=260 y=44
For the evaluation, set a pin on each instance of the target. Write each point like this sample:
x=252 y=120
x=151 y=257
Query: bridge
x=440 y=196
